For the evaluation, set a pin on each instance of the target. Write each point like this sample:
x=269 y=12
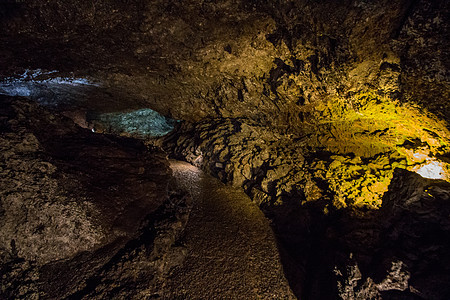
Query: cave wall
x=60 y=189
x=308 y=105
x=79 y=209
x=358 y=78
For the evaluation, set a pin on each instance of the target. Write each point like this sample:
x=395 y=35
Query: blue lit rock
x=142 y=123
x=47 y=88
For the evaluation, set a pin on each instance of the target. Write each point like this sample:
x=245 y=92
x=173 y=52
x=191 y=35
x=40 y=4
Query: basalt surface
x=348 y=227
x=277 y=62
x=340 y=164
x=74 y=204
x=309 y=106
x=398 y=251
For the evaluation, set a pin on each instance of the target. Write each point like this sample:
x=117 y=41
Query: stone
x=316 y=104
x=53 y=217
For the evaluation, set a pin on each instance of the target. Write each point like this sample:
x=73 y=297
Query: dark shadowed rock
x=73 y=203
x=403 y=255
x=66 y=189
x=311 y=107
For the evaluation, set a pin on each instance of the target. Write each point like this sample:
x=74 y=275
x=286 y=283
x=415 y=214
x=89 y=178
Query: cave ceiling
x=196 y=59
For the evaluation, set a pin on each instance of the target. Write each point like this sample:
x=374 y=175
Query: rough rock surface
x=274 y=61
x=309 y=105
x=401 y=248
x=316 y=231
x=72 y=202
x=53 y=172
x=333 y=166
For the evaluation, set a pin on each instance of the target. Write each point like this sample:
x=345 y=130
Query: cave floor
x=232 y=250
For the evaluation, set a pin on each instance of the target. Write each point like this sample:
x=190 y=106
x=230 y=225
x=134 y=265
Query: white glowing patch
x=69 y=81
x=432 y=170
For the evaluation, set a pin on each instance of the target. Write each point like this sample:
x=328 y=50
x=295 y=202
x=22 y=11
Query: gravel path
x=232 y=251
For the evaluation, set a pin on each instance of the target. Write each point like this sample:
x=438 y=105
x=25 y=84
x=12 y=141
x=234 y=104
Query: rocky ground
x=231 y=250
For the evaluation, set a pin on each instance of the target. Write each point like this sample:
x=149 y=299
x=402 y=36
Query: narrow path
x=232 y=251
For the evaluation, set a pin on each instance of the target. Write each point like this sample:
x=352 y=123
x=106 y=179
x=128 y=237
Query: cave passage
x=231 y=249
x=331 y=116
x=72 y=95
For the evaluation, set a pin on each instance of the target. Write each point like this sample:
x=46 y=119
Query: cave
x=230 y=149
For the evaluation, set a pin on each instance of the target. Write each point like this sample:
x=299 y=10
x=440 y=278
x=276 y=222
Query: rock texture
x=321 y=207
x=74 y=204
x=334 y=166
x=348 y=80
x=310 y=106
x=273 y=61
x=401 y=247
x=53 y=174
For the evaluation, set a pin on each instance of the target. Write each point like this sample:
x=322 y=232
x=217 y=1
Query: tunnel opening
x=73 y=96
x=143 y=123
